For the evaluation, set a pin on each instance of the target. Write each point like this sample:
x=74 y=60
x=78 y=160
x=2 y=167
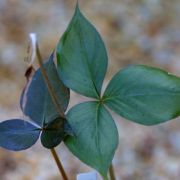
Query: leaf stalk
x=53 y=96
x=59 y=165
x=111 y=173
x=46 y=79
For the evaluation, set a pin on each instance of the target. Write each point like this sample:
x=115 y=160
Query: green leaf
x=81 y=57
x=96 y=136
x=144 y=95
x=54 y=132
x=36 y=101
x=17 y=134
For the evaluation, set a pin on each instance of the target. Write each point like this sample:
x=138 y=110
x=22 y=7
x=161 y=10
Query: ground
x=134 y=31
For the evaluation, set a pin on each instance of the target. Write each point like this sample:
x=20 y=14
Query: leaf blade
x=82 y=58
x=96 y=136
x=18 y=135
x=54 y=132
x=36 y=101
x=144 y=95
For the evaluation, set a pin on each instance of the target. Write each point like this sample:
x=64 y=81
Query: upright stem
x=111 y=173
x=53 y=97
x=58 y=108
x=50 y=88
x=59 y=165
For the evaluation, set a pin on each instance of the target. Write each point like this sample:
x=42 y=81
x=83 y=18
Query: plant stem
x=50 y=88
x=57 y=105
x=53 y=97
x=111 y=172
x=59 y=165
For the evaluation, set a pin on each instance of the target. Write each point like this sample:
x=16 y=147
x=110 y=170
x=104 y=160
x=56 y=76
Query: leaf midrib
x=140 y=95
x=80 y=34
x=19 y=132
x=97 y=132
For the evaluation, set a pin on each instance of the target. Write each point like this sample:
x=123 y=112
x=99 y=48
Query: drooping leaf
x=144 y=95
x=54 y=132
x=17 y=134
x=96 y=136
x=36 y=101
x=82 y=57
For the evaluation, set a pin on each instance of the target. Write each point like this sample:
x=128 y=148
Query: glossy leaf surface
x=36 y=101
x=144 y=95
x=82 y=57
x=96 y=136
x=17 y=134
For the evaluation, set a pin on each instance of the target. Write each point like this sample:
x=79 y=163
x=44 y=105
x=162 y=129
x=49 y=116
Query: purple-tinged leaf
x=55 y=132
x=36 y=102
x=17 y=134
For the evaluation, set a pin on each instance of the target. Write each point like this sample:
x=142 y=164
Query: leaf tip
x=77 y=9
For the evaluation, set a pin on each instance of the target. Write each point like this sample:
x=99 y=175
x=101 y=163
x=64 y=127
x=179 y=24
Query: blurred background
x=134 y=31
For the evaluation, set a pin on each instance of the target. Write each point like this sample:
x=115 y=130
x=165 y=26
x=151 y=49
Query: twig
x=53 y=97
